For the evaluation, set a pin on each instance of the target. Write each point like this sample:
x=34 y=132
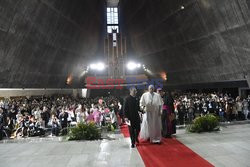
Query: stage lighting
x=93 y=66
x=97 y=66
x=133 y=66
x=100 y=66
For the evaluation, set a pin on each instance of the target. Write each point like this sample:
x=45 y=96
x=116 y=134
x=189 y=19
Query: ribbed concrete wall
x=43 y=41
x=207 y=41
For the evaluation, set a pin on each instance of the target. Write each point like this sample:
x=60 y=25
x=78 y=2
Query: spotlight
x=97 y=66
x=100 y=66
x=182 y=7
x=93 y=66
x=131 y=66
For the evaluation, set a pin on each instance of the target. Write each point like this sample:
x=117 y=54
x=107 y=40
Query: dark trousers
x=181 y=118
x=134 y=133
x=55 y=131
x=64 y=129
x=1 y=134
x=228 y=116
x=241 y=115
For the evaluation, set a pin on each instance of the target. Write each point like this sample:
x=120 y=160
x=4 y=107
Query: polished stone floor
x=110 y=152
x=229 y=147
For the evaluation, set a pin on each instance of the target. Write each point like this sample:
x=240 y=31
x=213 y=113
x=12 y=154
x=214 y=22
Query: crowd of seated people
x=33 y=116
x=190 y=105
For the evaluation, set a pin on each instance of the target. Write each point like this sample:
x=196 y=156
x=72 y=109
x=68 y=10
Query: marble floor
x=111 y=152
x=229 y=147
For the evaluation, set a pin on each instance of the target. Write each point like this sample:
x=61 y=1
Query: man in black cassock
x=131 y=109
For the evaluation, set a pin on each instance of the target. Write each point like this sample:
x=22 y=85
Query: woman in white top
x=80 y=116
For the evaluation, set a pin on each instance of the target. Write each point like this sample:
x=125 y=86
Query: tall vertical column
x=115 y=55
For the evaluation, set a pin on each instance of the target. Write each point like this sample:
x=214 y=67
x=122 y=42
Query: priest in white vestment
x=151 y=102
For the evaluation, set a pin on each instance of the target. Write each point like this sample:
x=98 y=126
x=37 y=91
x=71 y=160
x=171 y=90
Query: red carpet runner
x=124 y=130
x=171 y=153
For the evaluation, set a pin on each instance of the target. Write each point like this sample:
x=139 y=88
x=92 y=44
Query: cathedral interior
x=199 y=43
x=89 y=49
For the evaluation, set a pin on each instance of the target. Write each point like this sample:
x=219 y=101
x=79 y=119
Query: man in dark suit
x=131 y=109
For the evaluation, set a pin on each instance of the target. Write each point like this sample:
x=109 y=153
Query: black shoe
x=132 y=145
x=168 y=136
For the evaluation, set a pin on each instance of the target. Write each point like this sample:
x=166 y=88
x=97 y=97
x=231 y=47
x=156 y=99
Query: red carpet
x=124 y=130
x=171 y=153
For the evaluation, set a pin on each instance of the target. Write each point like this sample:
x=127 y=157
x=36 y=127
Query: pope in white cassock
x=151 y=102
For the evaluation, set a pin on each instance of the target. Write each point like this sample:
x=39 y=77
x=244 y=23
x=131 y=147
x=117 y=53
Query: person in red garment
x=131 y=109
x=170 y=124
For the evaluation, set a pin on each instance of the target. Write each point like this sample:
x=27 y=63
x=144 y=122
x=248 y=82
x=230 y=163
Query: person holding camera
x=63 y=117
x=55 y=125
